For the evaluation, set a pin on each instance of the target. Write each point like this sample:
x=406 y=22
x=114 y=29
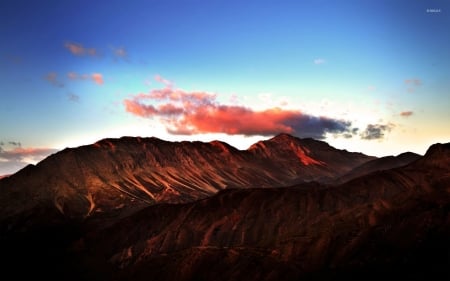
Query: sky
x=367 y=76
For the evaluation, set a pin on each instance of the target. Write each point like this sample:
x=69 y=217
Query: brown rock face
x=392 y=224
x=123 y=175
x=71 y=217
x=380 y=164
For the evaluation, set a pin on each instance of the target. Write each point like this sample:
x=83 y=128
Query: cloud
x=17 y=157
x=376 y=131
x=120 y=52
x=413 y=81
x=52 y=77
x=73 y=97
x=190 y=113
x=406 y=113
x=412 y=84
x=79 y=50
x=96 y=77
x=166 y=82
x=319 y=61
x=15 y=143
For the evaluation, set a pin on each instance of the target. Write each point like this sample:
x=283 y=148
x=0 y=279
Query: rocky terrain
x=122 y=175
x=284 y=222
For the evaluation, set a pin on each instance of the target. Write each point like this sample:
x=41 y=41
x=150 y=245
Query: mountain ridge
x=96 y=179
x=307 y=231
x=388 y=224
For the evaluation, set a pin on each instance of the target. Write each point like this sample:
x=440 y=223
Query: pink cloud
x=14 y=159
x=160 y=79
x=406 y=113
x=412 y=84
x=79 y=50
x=98 y=78
x=197 y=112
x=52 y=77
x=413 y=81
x=139 y=109
x=72 y=75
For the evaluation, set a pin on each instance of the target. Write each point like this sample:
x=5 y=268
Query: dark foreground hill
x=388 y=225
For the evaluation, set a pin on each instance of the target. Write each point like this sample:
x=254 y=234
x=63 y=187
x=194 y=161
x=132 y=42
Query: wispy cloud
x=95 y=77
x=371 y=88
x=73 y=97
x=14 y=157
x=376 y=131
x=413 y=81
x=412 y=84
x=188 y=113
x=406 y=113
x=160 y=79
x=79 y=50
x=52 y=78
x=319 y=61
x=119 y=53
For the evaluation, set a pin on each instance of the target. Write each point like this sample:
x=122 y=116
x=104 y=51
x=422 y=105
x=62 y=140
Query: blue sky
x=370 y=76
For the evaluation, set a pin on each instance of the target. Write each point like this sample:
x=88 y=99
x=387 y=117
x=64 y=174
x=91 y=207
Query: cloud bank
x=197 y=112
x=14 y=158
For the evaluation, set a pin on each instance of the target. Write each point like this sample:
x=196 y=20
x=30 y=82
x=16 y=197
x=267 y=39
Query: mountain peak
x=283 y=137
x=437 y=155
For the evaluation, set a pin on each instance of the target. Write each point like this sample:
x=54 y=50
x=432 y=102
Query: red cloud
x=79 y=50
x=96 y=77
x=198 y=112
x=406 y=113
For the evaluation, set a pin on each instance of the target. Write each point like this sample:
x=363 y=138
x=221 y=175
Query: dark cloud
x=376 y=131
x=15 y=143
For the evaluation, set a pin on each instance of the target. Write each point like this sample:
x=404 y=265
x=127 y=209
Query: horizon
x=370 y=77
x=209 y=141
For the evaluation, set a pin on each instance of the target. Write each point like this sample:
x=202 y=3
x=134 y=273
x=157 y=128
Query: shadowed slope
x=380 y=164
x=118 y=176
x=391 y=224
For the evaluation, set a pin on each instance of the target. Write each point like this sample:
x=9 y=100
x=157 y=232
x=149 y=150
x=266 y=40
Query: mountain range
x=284 y=209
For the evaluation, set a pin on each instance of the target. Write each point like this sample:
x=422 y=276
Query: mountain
x=388 y=224
x=379 y=164
x=115 y=177
x=391 y=224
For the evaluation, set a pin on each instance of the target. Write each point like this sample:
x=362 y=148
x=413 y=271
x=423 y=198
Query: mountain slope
x=123 y=175
x=391 y=224
x=379 y=164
